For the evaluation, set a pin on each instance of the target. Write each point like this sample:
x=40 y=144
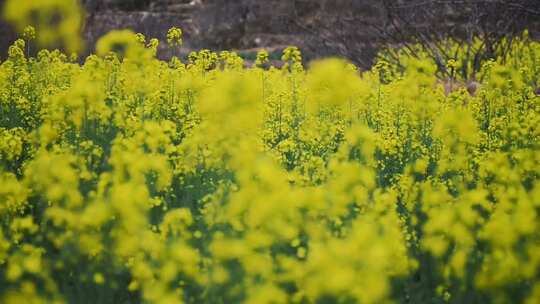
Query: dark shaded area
x=355 y=29
x=7 y=33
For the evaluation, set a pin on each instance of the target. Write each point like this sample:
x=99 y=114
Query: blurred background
x=355 y=29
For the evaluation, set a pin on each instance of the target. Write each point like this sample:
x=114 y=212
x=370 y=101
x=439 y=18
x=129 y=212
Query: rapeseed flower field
x=127 y=179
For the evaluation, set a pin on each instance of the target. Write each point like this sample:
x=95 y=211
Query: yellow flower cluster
x=58 y=22
x=174 y=36
x=130 y=179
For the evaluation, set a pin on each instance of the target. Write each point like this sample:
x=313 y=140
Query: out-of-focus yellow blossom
x=123 y=43
x=57 y=21
x=332 y=82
